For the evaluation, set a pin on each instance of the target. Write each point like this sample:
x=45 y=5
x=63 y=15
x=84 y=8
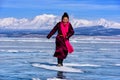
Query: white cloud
x=47 y=21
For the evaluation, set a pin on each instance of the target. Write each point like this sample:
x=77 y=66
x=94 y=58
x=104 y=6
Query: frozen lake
x=97 y=57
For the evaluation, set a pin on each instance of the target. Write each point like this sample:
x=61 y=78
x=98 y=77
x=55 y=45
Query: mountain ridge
x=86 y=31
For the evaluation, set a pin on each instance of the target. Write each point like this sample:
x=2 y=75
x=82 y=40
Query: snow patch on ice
x=77 y=65
x=16 y=51
x=36 y=79
x=63 y=68
x=117 y=64
x=55 y=79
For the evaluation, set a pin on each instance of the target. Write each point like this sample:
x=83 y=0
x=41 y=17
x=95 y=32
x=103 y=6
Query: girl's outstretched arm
x=53 y=31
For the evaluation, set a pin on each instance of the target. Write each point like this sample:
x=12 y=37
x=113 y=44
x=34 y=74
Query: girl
x=65 y=31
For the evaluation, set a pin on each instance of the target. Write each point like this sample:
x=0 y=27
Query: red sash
x=64 y=29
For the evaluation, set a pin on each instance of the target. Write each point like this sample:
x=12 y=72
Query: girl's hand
x=47 y=37
x=66 y=37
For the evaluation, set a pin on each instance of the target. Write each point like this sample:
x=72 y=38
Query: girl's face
x=65 y=19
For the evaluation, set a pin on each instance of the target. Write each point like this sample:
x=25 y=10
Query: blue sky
x=85 y=9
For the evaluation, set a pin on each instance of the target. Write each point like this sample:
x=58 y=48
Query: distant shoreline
x=54 y=36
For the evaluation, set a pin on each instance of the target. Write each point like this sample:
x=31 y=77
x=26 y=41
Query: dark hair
x=65 y=15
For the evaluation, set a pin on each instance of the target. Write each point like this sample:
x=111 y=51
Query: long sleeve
x=53 y=31
x=70 y=32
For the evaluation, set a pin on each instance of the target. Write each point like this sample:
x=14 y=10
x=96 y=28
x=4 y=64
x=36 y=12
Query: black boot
x=60 y=62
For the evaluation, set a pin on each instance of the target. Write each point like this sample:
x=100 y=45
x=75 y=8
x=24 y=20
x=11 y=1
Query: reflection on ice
x=60 y=75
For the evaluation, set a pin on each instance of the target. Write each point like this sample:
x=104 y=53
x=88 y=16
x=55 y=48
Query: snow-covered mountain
x=39 y=22
x=47 y=21
x=42 y=24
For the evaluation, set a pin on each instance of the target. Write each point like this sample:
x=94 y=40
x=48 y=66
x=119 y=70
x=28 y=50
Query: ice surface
x=97 y=56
